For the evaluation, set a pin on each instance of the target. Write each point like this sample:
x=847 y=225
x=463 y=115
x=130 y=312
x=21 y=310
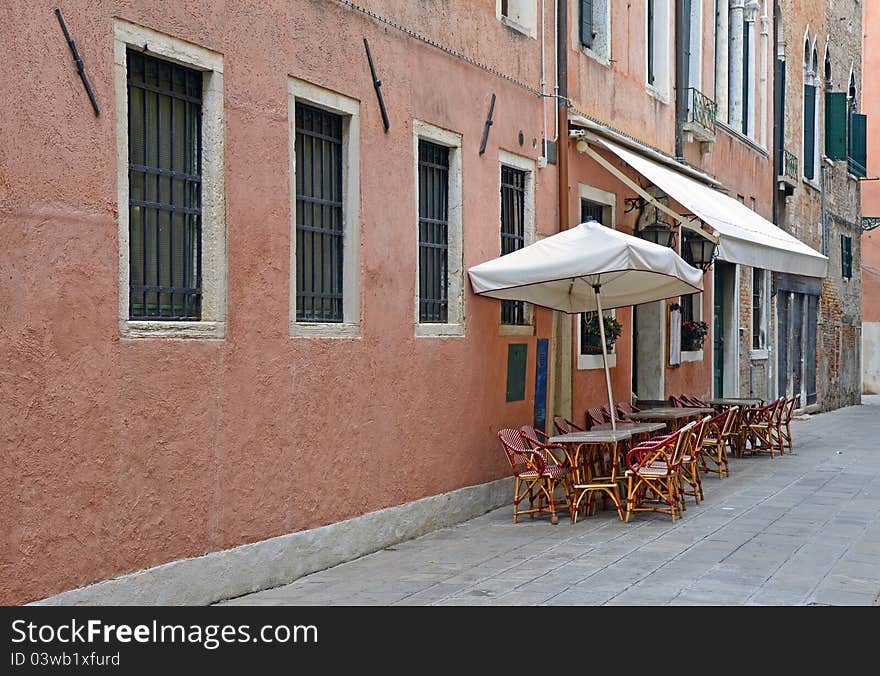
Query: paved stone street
x=799 y=529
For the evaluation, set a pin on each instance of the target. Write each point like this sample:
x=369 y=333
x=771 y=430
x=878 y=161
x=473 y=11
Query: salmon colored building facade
x=871 y=207
x=240 y=345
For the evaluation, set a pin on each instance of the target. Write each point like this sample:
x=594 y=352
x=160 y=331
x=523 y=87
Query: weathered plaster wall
x=122 y=454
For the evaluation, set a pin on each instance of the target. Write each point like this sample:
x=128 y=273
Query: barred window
x=319 y=221
x=513 y=192
x=758 y=334
x=433 y=232
x=165 y=189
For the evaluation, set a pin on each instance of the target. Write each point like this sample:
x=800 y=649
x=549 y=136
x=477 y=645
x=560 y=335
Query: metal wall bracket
x=79 y=62
x=487 y=125
x=377 y=83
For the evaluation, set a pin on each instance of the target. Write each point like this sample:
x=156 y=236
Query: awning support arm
x=585 y=148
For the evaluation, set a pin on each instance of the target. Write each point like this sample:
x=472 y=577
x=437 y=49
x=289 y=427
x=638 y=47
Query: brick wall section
x=803 y=213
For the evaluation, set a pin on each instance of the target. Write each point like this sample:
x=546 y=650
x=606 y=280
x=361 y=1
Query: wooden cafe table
x=595 y=459
x=674 y=417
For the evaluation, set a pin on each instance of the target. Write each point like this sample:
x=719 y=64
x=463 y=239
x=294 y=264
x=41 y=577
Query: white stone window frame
x=589 y=362
x=527 y=165
x=349 y=109
x=212 y=324
x=660 y=88
x=454 y=326
x=695 y=355
x=763 y=353
x=522 y=16
x=601 y=49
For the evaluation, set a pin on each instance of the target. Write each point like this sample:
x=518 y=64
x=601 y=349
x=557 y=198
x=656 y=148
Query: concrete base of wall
x=280 y=560
x=871 y=357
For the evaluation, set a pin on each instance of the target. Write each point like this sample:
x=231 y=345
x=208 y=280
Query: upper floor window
x=657 y=46
x=811 y=111
x=521 y=15
x=592 y=19
x=846 y=256
x=172 y=229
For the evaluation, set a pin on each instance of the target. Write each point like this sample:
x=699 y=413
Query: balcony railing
x=789 y=166
x=701 y=112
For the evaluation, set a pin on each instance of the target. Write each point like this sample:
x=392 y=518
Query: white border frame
x=349 y=109
x=213 y=322
x=527 y=165
x=454 y=327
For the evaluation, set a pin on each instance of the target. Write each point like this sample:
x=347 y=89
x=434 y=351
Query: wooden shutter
x=858 y=152
x=587 y=23
x=835 y=125
x=780 y=117
x=809 y=130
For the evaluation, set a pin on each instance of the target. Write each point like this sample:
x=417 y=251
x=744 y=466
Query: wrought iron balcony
x=788 y=171
x=789 y=165
x=701 y=115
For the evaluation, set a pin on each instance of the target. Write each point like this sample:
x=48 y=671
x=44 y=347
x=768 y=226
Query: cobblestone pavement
x=799 y=529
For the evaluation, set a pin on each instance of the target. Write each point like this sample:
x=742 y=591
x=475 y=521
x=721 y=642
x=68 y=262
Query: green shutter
x=516 y=371
x=587 y=23
x=858 y=154
x=846 y=256
x=809 y=130
x=780 y=116
x=835 y=125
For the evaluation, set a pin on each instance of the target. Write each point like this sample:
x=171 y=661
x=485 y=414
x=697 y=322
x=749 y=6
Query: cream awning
x=745 y=237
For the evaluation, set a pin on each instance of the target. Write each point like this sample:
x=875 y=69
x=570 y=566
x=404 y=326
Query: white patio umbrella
x=568 y=270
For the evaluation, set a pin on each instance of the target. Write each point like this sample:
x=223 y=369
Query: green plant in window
x=591 y=335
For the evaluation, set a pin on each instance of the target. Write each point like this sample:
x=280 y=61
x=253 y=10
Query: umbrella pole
x=596 y=288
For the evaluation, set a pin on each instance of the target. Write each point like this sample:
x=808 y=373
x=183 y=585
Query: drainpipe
x=777 y=100
x=680 y=76
x=562 y=111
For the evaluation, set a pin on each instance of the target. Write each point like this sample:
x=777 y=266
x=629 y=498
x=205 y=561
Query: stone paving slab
x=800 y=529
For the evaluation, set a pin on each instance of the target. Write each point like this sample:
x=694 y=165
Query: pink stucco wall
x=123 y=454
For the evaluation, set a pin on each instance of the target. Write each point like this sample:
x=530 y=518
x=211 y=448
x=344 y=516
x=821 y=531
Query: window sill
x=518 y=27
x=439 y=330
x=691 y=355
x=811 y=183
x=601 y=59
x=657 y=94
x=187 y=330
x=589 y=362
x=748 y=140
x=516 y=330
x=760 y=355
x=324 y=330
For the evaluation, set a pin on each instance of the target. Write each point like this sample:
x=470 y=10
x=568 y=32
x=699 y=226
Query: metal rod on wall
x=377 y=83
x=79 y=62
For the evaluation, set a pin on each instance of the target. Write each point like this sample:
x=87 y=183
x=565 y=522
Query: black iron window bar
x=319 y=215
x=165 y=189
x=433 y=232
x=513 y=192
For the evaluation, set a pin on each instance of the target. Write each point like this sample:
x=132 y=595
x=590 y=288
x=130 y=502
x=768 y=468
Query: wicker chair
x=653 y=474
x=535 y=477
x=719 y=431
x=784 y=427
x=594 y=416
x=565 y=426
x=691 y=481
x=760 y=427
